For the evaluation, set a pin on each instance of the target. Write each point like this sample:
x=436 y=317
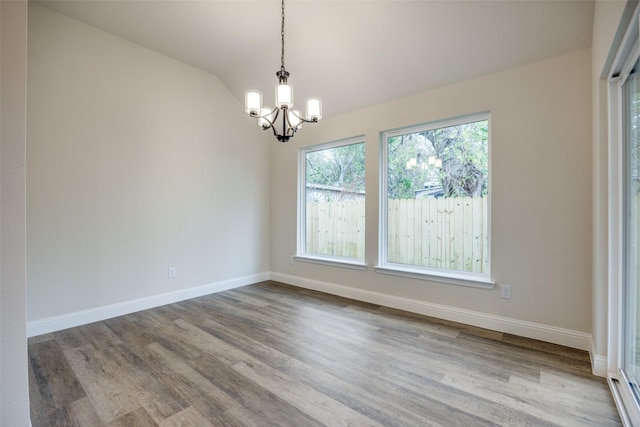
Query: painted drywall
x=606 y=22
x=14 y=393
x=136 y=162
x=540 y=186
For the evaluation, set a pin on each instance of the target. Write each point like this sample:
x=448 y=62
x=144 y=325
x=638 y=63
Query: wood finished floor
x=271 y=354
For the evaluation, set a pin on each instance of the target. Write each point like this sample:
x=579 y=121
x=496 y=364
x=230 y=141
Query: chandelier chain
x=282 y=39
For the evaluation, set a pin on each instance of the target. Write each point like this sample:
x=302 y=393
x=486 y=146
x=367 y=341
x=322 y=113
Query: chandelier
x=282 y=119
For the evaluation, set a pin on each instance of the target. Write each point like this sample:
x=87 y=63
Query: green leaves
x=342 y=167
x=463 y=150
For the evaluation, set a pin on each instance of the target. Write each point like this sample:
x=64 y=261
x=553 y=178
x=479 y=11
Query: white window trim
x=352 y=263
x=301 y=241
x=473 y=280
x=462 y=278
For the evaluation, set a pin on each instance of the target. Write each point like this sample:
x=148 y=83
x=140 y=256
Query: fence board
x=447 y=232
x=432 y=208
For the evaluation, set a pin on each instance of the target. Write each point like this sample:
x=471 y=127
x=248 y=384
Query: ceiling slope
x=349 y=53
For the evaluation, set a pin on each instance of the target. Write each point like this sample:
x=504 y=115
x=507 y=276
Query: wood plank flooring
x=275 y=355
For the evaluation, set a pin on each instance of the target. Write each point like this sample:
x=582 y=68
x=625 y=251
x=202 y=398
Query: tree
x=462 y=150
x=341 y=167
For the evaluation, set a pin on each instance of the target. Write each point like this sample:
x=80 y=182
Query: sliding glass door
x=631 y=232
x=623 y=247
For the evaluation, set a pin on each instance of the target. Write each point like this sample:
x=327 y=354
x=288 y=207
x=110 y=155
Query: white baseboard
x=57 y=323
x=552 y=334
x=599 y=363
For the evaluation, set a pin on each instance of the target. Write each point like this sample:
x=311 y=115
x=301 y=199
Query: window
x=331 y=219
x=434 y=201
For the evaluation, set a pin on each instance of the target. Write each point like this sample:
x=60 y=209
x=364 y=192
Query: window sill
x=353 y=264
x=473 y=280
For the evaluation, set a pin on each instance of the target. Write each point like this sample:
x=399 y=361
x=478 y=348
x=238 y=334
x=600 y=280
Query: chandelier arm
x=287 y=129
x=302 y=119
x=264 y=116
x=272 y=122
x=286 y=133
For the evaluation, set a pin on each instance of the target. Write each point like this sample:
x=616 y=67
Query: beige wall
x=14 y=393
x=540 y=187
x=135 y=163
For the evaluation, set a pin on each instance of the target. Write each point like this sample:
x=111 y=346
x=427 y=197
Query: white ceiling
x=349 y=53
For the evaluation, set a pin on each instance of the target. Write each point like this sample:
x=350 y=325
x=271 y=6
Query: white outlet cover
x=505 y=291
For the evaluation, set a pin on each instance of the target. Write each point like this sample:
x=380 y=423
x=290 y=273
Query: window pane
x=437 y=188
x=334 y=194
x=632 y=232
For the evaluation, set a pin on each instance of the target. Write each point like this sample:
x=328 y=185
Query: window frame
x=301 y=240
x=455 y=277
x=626 y=56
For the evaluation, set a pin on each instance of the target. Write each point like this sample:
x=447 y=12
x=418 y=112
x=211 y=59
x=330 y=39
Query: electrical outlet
x=291 y=260
x=172 y=273
x=505 y=291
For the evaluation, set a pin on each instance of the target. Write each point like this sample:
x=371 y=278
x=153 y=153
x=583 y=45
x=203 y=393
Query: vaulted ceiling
x=349 y=53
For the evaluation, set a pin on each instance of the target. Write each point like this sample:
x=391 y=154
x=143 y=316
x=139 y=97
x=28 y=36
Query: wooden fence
x=336 y=228
x=448 y=232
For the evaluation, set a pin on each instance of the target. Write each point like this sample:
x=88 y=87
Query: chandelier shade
x=283 y=120
x=252 y=101
x=314 y=109
x=284 y=96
